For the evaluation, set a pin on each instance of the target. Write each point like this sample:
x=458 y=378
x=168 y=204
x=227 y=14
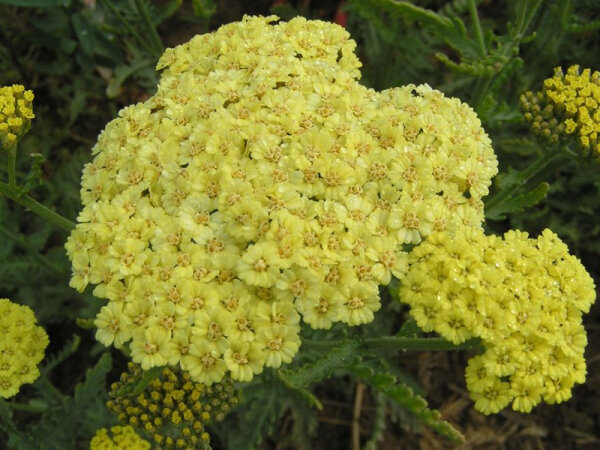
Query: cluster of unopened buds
x=172 y=410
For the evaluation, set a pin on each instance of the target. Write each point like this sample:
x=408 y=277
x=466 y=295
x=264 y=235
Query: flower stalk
x=396 y=343
x=12 y=192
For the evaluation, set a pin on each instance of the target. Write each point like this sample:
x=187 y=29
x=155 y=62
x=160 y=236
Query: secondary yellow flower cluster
x=523 y=297
x=173 y=410
x=22 y=345
x=16 y=113
x=263 y=181
x=123 y=438
x=567 y=105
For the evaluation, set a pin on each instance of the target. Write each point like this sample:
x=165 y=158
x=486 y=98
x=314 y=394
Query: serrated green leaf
x=123 y=72
x=323 y=368
x=379 y=422
x=451 y=29
x=404 y=395
x=305 y=394
x=265 y=404
x=95 y=380
x=67 y=350
x=518 y=203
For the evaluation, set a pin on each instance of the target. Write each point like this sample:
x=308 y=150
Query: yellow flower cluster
x=16 y=113
x=22 y=345
x=262 y=181
x=567 y=105
x=123 y=438
x=172 y=409
x=522 y=297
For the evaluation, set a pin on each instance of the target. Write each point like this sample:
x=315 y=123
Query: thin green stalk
x=396 y=343
x=28 y=408
x=535 y=168
x=36 y=207
x=127 y=25
x=12 y=166
x=477 y=27
x=158 y=45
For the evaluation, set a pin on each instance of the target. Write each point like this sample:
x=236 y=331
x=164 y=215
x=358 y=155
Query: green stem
x=36 y=207
x=12 y=166
x=538 y=166
x=396 y=343
x=158 y=45
x=477 y=27
x=126 y=24
x=480 y=91
x=28 y=408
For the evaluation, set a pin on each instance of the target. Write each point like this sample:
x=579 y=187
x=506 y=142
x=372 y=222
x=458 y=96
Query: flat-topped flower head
x=119 y=438
x=263 y=177
x=522 y=297
x=16 y=112
x=567 y=106
x=22 y=345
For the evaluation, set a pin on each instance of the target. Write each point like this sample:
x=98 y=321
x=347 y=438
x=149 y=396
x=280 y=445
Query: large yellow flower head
x=22 y=345
x=260 y=182
x=522 y=297
x=16 y=113
x=567 y=106
x=123 y=438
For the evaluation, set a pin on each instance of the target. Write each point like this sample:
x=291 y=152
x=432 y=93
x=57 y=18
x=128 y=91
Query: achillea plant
x=260 y=184
x=263 y=191
x=22 y=346
x=522 y=297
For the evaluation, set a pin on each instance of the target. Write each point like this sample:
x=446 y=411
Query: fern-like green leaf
x=404 y=395
x=68 y=418
x=323 y=368
x=68 y=349
x=451 y=29
x=379 y=422
x=518 y=203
